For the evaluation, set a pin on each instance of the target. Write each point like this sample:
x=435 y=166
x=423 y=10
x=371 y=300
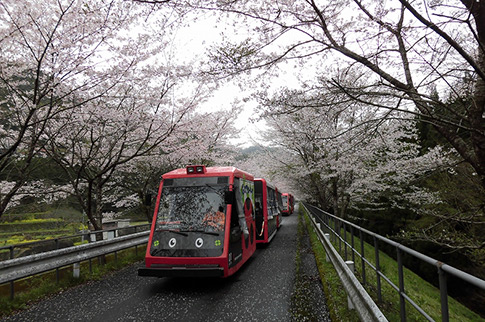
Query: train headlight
x=196 y=169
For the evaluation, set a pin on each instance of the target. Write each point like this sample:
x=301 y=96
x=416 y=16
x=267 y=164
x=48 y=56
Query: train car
x=291 y=201
x=267 y=212
x=279 y=202
x=203 y=224
x=288 y=204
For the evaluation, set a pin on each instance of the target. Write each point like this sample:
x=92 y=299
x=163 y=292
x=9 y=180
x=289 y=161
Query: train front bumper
x=182 y=271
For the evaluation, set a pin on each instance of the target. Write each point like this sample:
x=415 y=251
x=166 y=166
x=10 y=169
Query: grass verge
x=334 y=291
x=33 y=289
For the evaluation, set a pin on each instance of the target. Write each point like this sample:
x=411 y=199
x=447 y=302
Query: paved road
x=260 y=291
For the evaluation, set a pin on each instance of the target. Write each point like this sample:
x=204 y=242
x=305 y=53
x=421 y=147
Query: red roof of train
x=208 y=172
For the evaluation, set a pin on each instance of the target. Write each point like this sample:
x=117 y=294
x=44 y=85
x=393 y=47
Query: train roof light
x=196 y=169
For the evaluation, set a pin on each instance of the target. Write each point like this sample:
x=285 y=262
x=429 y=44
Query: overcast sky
x=192 y=43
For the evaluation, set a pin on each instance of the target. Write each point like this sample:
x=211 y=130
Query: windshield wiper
x=172 y=231
x=202 y=231
x=212 y=188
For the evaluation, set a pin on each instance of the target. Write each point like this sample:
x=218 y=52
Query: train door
x=259 y=204
x=235 y=233
x=242 y=234
x=272 y=212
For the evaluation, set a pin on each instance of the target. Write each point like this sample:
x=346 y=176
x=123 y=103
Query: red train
x=288 y=204
x=268 y=214
x=207 y=222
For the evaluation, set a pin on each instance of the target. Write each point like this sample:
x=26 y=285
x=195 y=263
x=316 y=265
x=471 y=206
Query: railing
x=21 y=267
x=343 y=234
x=26 y=249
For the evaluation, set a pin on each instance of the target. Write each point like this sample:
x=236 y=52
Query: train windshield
x=191 y=218
x=192 y=204
x=285 y=201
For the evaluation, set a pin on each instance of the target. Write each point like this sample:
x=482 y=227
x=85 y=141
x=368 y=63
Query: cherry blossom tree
x=50 y=50
x=200 y=138
x=85 y=83
x=100 y=138
x=348 y=155
x=400 y=49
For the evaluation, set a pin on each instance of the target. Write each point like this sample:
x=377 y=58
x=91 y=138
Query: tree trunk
x=477 y=121
x=146 y=204
x=477 y=110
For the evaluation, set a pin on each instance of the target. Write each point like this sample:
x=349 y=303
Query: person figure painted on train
x=215 y=220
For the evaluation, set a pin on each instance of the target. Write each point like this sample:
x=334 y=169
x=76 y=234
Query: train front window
x=195 y=204
x=285 y=201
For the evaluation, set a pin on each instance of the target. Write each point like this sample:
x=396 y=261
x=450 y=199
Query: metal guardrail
x=24 y=249
x=15 y=269
x=335 y=226
x=362 y=302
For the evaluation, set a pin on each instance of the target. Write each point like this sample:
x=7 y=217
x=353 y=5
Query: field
x=35 y=226
x=50 y=227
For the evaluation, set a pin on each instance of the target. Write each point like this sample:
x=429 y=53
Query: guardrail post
x=76 y=270
x=362 y=256
x=339 y=234
x=352 y=242
x=136 y=246
x=12 y=286
x=327 y=236
x=334 y=230
x=402 y=301
x=378 y=268
x=57 y=269
x=12 y=290
x=345 y=240
x=351 y=266
x=443 y=294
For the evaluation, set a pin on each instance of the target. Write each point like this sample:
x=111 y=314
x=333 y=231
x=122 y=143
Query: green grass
x=16 y=217
x=420 y=291
x=9 y=238
x=33 y=289
x=32 y=221
x=37 y=226
x=136 y=223
x=81 y=243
